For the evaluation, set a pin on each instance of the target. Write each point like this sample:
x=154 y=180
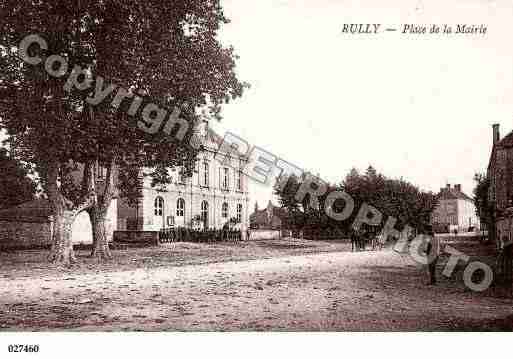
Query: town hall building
x=216 y=194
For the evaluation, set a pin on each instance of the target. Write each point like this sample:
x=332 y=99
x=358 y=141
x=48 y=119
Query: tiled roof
x=214 y=137
x=506 y=142
x=217 y=140
x=260 y=216
x=453 y=193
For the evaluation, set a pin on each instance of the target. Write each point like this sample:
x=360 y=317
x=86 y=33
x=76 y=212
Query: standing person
x=354 y=240
x=432 y=254
x=364 y=235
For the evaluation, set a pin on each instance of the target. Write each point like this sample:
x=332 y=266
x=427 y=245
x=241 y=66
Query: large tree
x=392 y=197
x=396 y=198
x=485 y=208
x=16 y=186
x=165 y=51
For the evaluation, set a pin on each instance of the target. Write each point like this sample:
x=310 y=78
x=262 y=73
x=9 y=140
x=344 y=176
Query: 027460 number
x=23 y=348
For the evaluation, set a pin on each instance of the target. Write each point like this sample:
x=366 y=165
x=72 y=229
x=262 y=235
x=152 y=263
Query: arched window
x=224 y=210
x=180 y=207
x=204 y=213
x=239 y=213
x=159 y=206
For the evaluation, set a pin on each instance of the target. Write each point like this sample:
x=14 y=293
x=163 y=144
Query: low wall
x=261 y=234
x=30 y=233
x=25 y=235
x=149 y=238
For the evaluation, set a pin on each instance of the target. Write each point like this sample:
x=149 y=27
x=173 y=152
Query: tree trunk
x=62 y=247
x=98 y=213
x=101 y=250
x=65 y=212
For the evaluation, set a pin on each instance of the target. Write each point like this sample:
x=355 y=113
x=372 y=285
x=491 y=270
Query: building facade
x=217 y=194
x=455 y=211
x=500 y=193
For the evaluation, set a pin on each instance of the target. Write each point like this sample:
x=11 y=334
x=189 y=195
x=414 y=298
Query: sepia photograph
x=302 y=167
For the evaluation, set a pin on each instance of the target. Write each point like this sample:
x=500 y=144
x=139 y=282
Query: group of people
x=360 y=238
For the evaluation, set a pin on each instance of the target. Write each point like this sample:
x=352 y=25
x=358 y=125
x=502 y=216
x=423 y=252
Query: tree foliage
x=167 y=52
x=484 y=207
x=392 y=197
x=16 y=186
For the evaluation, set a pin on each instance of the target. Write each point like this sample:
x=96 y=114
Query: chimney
x=496 y=133
x=458 y=187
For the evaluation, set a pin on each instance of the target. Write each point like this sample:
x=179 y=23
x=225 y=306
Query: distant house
x=500 y=175
x=270 y=218
x=455 y=211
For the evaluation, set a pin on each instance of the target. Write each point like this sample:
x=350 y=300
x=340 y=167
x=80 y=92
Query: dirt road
x=380 y=291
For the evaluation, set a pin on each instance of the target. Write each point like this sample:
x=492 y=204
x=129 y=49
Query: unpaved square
x=280 y=286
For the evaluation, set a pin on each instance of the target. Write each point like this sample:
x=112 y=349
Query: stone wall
x=500 y=177
x=34 y=233
x=504 y=228
x=25 y=235
x=150 y=238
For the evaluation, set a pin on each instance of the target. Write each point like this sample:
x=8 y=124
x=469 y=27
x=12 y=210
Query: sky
x=419 y=107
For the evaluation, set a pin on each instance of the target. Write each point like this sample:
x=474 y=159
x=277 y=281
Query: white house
x=455 y=210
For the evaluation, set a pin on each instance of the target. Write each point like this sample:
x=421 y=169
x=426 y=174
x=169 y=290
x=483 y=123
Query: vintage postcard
x=328 y=166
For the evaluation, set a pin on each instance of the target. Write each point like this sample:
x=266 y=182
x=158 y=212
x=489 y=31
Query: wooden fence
x=175 y=235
